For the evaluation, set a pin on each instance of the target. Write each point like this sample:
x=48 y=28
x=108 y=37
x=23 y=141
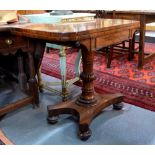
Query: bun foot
x=84 y=135
x=118 y=106
x=2 y=116
x=52 y=120
x=41 y=90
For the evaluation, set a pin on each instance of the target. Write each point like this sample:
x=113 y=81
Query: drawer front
x=10 y=41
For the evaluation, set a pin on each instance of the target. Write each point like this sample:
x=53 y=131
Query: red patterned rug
x=138 y=86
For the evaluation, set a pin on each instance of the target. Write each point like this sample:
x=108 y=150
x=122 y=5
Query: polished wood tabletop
x=71 y=31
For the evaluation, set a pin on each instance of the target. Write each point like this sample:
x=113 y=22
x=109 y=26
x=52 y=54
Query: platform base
x=84 y=113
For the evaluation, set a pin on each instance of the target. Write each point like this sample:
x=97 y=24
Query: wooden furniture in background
x=20 y=46
x=144 y=17
x=119 y=48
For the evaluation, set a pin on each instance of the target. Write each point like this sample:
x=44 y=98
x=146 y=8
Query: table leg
x=32 y=81
x=21 y=74
x=89 y=104
x=38 y=56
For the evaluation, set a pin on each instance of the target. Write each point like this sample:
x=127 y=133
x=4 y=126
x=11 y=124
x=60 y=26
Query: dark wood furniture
x=144 y=16
x=87 y=36
x=19 y=46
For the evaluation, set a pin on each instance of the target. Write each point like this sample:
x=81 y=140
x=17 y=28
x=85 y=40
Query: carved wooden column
x=87 y=76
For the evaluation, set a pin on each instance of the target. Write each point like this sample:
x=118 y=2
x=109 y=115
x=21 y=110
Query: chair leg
x=130 y=56
x=109 y=58
x=123 y=44
x=62 y=55
x=77 y=70
x=77 y=64
x=133 y=45
x=64 y=82
x=47 y=49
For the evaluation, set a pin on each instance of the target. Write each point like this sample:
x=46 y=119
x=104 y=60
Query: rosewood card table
x=87 y=36
x=144 y=16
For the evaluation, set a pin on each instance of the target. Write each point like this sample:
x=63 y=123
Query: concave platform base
x=84 y=113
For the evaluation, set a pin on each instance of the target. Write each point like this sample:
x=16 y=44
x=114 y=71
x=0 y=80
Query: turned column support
x=87 y=105
x=87 y=96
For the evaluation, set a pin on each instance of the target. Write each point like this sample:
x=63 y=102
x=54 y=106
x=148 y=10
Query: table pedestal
x=84 y=113
x=88 y=104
